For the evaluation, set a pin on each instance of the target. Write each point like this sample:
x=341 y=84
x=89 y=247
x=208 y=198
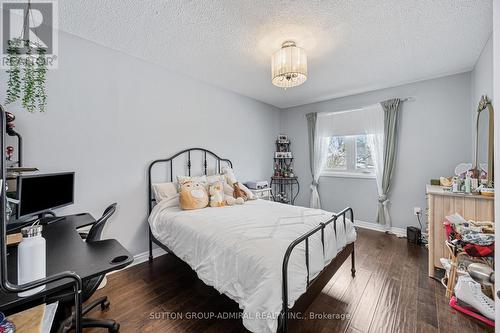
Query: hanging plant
x=30 y=88
x=29 y=96
x=40 y=74
x=32 y=84
x=14 y=71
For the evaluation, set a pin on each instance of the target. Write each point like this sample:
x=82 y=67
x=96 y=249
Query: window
x=349 y=156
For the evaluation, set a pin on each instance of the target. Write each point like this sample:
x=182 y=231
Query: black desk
x=66 y=251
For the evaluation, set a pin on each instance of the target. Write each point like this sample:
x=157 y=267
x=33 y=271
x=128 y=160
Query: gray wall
x=482 y=84
x=109 y=114
x=435 y=135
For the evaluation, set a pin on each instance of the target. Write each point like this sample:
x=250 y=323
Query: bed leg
x=150 y=248
x=353 y=266
x=284 y=324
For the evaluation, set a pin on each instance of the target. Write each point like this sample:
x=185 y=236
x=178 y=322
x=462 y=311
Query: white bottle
x=455 y=185
x=474 y=184
x=468 y=184
x=31 y=261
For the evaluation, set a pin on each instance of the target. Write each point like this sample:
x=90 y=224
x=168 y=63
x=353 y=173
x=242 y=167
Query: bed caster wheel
x=115 y=328
x=105 y=306
x=353 y=272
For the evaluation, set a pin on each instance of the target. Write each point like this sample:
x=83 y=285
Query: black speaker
x=413 y=235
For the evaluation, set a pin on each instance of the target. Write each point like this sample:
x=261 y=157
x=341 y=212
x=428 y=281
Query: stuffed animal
x=216 y=192
x=238 y=192
x=192 y=195
x=231 y=201
x=243 y=191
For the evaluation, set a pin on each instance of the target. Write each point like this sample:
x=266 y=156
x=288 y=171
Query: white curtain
x=374 y=131
x=320 y=157
x=368 y=120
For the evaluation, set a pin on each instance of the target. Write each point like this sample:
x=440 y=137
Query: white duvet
x=239 y=251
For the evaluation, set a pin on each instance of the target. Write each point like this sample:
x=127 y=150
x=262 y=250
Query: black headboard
x=169 y=162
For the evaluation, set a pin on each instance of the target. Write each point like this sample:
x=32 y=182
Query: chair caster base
x=115 y=328
x=105 y=305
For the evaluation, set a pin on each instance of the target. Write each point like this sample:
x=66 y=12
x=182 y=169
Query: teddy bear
x=192 y=195
x=216 y=192
x=238 y=190
x=238 y=193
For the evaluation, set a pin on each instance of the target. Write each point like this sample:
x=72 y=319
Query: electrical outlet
x=417 y=211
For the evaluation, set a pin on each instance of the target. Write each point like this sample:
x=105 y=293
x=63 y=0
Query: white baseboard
x=400 y=232
x=144 y=256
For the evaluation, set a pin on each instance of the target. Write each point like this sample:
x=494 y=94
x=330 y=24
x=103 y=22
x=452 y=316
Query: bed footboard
x=315 y=286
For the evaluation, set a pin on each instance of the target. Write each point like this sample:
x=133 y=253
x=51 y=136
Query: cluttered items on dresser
x=468 y=180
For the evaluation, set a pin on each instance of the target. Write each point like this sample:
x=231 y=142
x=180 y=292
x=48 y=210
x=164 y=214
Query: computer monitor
x=41 y=193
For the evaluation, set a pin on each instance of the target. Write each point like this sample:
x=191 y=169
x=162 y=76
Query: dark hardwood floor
x=390 y=293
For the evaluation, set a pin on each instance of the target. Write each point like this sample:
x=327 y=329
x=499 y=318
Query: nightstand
x=264 y=193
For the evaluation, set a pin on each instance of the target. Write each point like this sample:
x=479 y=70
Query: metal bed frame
x=314 y=286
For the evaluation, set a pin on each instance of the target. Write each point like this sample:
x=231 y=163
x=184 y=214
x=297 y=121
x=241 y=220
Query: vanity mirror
x=484 y=139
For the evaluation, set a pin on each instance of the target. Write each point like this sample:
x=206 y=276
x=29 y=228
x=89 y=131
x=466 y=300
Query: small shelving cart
x=284 y=184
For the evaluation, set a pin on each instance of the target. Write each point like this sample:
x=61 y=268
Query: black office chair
x=90 y=286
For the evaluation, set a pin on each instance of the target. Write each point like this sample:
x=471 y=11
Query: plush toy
x=192 y=195
x=238 y=192
x=230 y=201
x=231 y=180
x=216 y=192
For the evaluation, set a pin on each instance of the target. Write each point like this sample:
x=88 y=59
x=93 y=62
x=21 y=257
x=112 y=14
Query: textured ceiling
x=352 y=46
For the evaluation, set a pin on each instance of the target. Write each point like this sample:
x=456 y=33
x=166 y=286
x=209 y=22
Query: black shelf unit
x=284 y=184
x=8 y=286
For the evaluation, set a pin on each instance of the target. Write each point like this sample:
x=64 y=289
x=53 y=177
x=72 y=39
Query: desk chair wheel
x=115 y=328
x=105 y=305
x=102 y=301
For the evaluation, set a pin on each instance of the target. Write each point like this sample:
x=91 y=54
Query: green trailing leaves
x=32 y=84
x=29 y=97
x=40 y=74
x=14 y=81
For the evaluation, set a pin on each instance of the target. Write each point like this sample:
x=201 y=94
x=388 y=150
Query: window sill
x=346 y=174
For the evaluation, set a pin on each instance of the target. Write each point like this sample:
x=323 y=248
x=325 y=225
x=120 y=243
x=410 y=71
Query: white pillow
x=215 y=178
x=164 y=191
x=228 y=189
x=198 y=179
x=171 y=202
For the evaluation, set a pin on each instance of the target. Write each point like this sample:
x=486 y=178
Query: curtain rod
x=406 y=99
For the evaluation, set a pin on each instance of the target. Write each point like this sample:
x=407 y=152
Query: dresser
x=442 y=203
